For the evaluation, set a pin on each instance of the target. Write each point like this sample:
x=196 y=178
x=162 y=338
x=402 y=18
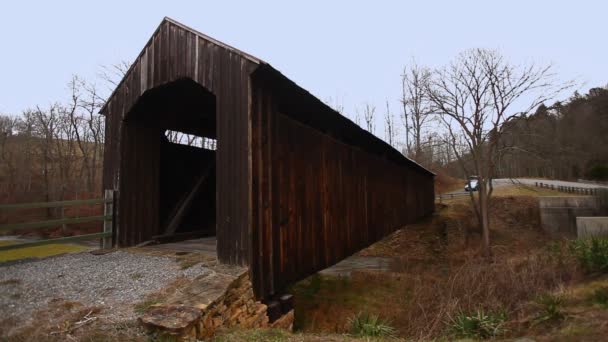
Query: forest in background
x=56 y=152
x=567 y=140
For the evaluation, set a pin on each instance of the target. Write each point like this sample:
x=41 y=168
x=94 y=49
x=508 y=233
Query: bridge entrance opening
x=171 y=163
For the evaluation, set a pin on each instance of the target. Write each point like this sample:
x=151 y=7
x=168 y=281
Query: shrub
x=598 y=172
x=592 y=253
x=478 y=325
x=551 y=308
x=600 y=296
x=364 y=324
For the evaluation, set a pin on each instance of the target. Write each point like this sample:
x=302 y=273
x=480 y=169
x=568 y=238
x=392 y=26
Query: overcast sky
x=352 y=51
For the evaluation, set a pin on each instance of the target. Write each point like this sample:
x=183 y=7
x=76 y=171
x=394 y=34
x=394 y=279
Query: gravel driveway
x=115 y=281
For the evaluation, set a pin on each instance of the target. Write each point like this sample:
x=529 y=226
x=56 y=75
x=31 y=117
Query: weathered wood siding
x=317 y=200
x=299 y=187
x=175 y=52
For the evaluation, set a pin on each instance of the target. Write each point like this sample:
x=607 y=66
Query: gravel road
x=115 y=281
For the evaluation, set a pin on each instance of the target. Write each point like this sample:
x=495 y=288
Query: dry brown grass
x=498 y=286
x=445 y=183
x=71 y=321
x=438 y=272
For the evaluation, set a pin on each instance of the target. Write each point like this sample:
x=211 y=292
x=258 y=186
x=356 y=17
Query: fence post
x=108 y=210
x=64 y=227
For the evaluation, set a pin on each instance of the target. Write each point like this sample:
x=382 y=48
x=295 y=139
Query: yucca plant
x=364 y=324
x=592 y=253
x=550 y=308
x=479 y=324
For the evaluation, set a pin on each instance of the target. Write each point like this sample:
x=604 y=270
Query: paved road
x=500 y=182
x=531 y=181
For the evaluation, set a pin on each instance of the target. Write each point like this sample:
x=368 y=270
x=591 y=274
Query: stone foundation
x=237 y=307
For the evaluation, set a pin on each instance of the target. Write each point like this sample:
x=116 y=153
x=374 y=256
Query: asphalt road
x=531 y=181
x=499 y=182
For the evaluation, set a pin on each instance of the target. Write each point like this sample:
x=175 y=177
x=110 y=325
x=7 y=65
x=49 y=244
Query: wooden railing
x=443 y=197
x=106 y=218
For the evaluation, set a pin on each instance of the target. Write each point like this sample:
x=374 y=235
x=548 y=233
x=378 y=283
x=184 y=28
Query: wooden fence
x=443 y=197
x=105 y=236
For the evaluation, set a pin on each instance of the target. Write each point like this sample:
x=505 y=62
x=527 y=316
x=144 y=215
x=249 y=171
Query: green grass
x=600 y=297
x=366 y=325
x=478 y=325
x=551 y=308
x=592 y=254
x=185 y=264
x=324 y=302
x=37 y=251
x=141 y=308
x=253 y=335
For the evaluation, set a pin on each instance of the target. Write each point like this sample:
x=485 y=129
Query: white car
x=472 y=184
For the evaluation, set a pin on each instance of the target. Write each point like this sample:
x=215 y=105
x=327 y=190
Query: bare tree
x=473 y=97
x=87 y=126
x=113 y=74
x=336 y=104
x=416 y=105
x=389 y=126
x=369 y=112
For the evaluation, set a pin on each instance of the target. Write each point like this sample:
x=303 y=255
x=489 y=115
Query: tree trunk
x=485 y=219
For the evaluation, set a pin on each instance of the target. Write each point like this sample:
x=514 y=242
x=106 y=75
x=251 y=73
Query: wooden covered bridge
x=288 y=185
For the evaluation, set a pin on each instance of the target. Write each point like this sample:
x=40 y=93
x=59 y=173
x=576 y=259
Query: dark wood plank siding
x=173 y=53
x=317 y=200
x=291 y=199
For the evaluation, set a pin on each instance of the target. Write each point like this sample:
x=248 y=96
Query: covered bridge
x=288 y=185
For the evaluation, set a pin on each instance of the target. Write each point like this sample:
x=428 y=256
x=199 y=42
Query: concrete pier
x=558 y=213
x=591 y=226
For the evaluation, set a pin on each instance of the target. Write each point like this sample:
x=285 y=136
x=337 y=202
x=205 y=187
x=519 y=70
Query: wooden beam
x=182 y=206
x=58 y=240
x=52 y=204
x=51 y=223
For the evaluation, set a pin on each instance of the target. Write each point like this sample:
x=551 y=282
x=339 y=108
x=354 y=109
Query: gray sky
x=353 y=51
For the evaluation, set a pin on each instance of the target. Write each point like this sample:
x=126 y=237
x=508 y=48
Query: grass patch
x=187 y=263
x=365 y=325
x=36 y=251
x=252 y=335
x=592 y=254
x=324 y=303
x=600 y=296
x=136 y=276
x=141 y=308
x=524 y=190
x=551 y=308
x=480 y=325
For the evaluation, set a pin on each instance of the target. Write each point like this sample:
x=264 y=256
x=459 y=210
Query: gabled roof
x=319 y=116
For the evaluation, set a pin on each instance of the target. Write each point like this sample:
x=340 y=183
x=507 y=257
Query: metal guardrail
x=571 y=189
x=105 y=236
